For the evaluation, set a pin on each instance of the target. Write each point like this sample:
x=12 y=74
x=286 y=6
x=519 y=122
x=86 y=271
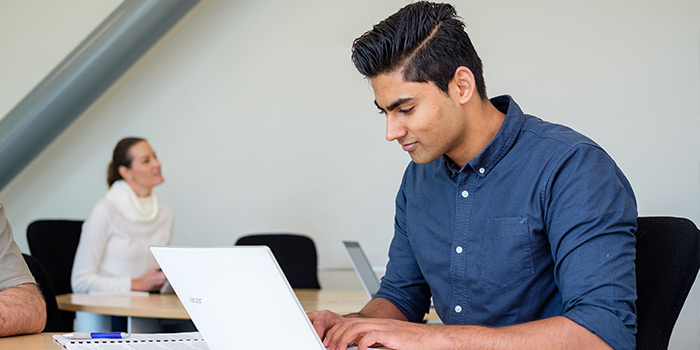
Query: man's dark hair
x=427 y=40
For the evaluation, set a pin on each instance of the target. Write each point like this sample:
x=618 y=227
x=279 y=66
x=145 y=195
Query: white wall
x=262 y=123
x=36 y=35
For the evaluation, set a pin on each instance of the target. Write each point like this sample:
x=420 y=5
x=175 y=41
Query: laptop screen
x=362 y=267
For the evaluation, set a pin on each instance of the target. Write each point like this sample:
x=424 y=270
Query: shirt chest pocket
x=507 y=253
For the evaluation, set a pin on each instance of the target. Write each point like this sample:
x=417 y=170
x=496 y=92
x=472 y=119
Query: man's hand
x=323 y=320
x=338 y=332
x=394 y=334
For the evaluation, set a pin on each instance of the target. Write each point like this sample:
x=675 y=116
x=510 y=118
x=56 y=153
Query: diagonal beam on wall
x=87 y=72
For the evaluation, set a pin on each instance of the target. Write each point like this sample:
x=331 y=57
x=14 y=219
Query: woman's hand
x=153 y=280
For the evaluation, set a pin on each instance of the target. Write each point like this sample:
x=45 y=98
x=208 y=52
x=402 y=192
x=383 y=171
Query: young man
x=521 y=230
x=22 y=307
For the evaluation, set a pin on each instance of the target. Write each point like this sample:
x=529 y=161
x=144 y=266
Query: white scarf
x=133 y=207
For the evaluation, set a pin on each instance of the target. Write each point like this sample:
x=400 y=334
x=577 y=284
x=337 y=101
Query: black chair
x=54 y=321
x=296 y=255
x=668 y=258
x=53 y=243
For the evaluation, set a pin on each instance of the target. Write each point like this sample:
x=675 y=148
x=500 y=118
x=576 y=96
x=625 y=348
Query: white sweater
x=114 y=246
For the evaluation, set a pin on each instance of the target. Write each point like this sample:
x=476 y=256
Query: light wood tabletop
x=168 y=305
x=43 y=341
x=150 y=305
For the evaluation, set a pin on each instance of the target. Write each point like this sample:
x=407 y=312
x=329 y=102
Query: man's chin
x=422 y=159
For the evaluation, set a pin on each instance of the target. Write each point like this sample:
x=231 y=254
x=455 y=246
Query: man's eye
x=406 y=110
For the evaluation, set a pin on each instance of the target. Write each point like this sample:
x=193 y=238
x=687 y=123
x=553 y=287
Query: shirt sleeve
x=86 y=275
x=590 y=213
x=403 y=284
x=13 y=269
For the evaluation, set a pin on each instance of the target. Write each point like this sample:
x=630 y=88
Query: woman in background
x=113 y=255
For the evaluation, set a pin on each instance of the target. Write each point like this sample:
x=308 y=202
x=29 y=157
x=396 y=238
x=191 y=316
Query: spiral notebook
x=172 y=341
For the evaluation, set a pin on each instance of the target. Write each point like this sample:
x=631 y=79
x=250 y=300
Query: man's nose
x=394 y=128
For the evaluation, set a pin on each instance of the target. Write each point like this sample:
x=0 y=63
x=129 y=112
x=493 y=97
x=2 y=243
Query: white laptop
x=362 y=267
x=237 y=297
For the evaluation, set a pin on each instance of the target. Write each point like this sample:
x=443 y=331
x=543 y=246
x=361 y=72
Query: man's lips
x=408 y=147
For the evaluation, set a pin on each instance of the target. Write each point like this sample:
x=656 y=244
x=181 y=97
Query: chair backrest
x=668 y=258
x=296 y=255
x=54 y=320
x=53 y=243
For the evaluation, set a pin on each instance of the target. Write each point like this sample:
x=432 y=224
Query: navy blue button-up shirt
x=540 y=224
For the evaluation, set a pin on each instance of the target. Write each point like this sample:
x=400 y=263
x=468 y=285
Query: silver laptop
x=167 y=288
x=362 y=267
x=237 y=297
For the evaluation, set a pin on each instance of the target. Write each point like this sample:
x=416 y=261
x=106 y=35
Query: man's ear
x=463 y=84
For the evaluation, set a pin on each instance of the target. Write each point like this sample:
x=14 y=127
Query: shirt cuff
x=618 y=331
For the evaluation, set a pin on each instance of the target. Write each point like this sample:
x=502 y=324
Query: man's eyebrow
x=394 y=104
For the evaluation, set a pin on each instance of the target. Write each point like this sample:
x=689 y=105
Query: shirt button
x=465 y=194
x=459 y=250
x=481 y=170
x=458 y=309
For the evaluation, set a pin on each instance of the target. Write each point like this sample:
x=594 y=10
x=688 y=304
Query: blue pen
x=94 y=335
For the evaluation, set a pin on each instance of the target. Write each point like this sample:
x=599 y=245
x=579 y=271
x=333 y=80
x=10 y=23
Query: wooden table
x=169 y=306
x=142 y=310
x=151 y=305
x=43 y=341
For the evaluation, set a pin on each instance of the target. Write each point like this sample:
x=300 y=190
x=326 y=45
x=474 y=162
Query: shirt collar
x=500 y=144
